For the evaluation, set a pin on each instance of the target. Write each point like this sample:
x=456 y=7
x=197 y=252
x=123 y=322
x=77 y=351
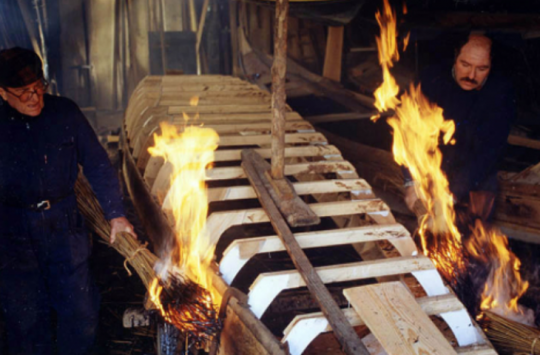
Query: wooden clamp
x=340 y=325
x=294 y=209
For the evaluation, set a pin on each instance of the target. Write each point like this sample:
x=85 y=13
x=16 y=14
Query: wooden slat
x=248 y=93
x=219 y=109
x=218 y=222
x=268 y=285
x=240 y=251
x=259 y=127
x=301 y=332
x=154 y=164
x=300 y=151
x=210 y=87
x=216 y=101
x=291 y=169
x=241 y=117
x=359 y=186
x=396 y=320
x=264 y=139
x=227 y=173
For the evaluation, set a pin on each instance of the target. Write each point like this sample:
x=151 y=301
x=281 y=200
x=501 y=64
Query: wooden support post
x=334 y=52
x=279 y=96
x=204 y=10
x=342 y=329
x=293 y=208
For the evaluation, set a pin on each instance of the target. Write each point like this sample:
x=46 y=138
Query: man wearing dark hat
x=44 y=247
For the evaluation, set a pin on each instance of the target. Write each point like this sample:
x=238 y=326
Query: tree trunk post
x=279 y=70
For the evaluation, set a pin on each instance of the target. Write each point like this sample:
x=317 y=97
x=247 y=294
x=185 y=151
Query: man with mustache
x=481 y=103
x=44 y=247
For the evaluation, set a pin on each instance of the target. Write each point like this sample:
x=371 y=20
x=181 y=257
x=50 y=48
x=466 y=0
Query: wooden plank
x=339 y=117
x=305 y=328
x=200 y=30
x=292 y=169
x=240 y=117
x=293 y=209
x=219 y=109
x=218 y=222
x=141 y=145
x=154 y=164
x=342 y=329
x=222 y=129
x=268 y=285
x=516 y=209
x=244 y=334
x=240 y=251
x=396 y=320
x=524 y=142
x=161 y=183
x=357 y=186
x=334 y=53
x=210 y=87
x=308 y=138
x=301 y=151
x=248 y=92
x=217 y=101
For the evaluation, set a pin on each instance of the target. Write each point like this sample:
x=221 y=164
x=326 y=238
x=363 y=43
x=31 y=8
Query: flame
x=386 y=95
x=504 y=285
x=419 y=128
x=190 y=152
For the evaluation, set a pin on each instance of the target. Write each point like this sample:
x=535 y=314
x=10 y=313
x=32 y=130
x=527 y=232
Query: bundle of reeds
x=184 y=303
x=509 y=337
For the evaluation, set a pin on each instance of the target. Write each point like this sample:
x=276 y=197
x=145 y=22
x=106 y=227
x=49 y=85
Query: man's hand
x=121 y=224
x=410 y=197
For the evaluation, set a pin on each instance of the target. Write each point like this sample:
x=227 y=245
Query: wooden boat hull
x=240 y=113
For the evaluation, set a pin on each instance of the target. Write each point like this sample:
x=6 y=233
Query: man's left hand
x=121 y=224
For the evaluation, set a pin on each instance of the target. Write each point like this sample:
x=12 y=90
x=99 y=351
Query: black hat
x=19 y=67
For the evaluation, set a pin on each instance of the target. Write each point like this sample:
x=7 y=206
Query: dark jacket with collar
x=39 y=158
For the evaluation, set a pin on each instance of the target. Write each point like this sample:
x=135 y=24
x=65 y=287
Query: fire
x=419 y=128
x=504 y=285
x=190 y=152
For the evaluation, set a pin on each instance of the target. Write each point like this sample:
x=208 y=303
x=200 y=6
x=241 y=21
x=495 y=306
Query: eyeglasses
x=26 y=95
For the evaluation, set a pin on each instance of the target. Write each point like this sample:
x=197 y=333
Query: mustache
x=472 y=81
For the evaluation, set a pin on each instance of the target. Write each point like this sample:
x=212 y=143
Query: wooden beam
x=356 y=186
x=279 y=95
x=268 y=285
x=524 y=142
x=219 y=109
x=338 y=117
x=293 y=209
x=334 y=53
x=199 y=35
x=396 y=320
x=240 y=251
x=342 y=329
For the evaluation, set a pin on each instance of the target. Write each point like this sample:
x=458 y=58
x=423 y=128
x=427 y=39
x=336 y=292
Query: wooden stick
x=279 y=96
x=342 y=329
x=199 y=35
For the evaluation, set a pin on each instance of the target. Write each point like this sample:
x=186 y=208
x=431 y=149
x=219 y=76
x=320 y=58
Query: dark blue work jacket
x=39 y=158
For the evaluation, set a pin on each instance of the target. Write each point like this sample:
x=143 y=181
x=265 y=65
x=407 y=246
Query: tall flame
x=190 y=152
x=419 y=128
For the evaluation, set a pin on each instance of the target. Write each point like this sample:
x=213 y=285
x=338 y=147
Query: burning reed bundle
x=510 y=337
x=181 y=301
